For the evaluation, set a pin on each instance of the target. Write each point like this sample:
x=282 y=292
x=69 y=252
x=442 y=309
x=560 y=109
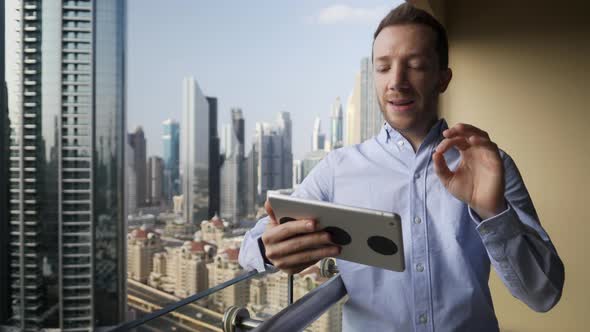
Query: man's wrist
x=263 y=252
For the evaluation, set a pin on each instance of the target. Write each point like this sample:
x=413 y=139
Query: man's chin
x=401 y=122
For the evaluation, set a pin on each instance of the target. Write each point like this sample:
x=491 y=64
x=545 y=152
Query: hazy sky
x=262 y=56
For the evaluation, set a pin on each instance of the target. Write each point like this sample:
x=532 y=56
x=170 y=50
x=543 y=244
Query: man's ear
x=445 y=79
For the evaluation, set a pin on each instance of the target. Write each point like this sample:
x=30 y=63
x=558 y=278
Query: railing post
x=290 y=290
x=238 y=319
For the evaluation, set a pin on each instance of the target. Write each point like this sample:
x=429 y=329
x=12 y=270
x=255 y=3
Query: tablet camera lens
x=286 y=219
x=382 y=245
x=338 y=235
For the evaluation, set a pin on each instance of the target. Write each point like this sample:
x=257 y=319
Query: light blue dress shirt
x=448 y=248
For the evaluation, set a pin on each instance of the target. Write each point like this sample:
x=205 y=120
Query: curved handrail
x=138 y=322
x=307 y=309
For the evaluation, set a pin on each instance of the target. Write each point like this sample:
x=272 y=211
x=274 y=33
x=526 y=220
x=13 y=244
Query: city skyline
x=324 y=43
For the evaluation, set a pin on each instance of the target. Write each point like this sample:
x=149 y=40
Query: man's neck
x=417 y=135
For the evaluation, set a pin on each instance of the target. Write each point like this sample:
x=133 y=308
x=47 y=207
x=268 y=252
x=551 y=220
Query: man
x=462 y=201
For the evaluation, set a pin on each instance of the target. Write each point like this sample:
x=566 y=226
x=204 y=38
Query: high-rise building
x=371 y=118
x=131 y=180
x=4 y=190
x=226 y=133
x=251 y=182
x=214 y=160
x=285 y=131
x=273 y=145
x=142 y=244
x=171 y=143
x=337 y=122
x=194 y=151
x=155 y=180
x=310 y=161
x=317 y=138
x=223 y=268
x=182 y=270
x=66 y=95
x=233 y=184
x=353 y=114
x=297 y=172
x=139 y=144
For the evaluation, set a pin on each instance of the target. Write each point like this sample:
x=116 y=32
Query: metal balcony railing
x=180 y=316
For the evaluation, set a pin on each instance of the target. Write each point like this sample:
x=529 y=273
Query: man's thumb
x=270 y=212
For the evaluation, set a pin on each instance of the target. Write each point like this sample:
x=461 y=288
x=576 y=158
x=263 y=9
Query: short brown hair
x=408 y=14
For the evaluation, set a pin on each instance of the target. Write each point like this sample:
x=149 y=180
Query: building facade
x=155 y=180
x=66 y=95
x=130 y=180
x=4 y=190
x=353 y=114
x=318 y=139
x=226 y=267
x=337 y=125
x=138 y=142
x=194 y=151
x=142 y=244
x=370 y=113
x=233 y=172
x=275 y=158
x=214 y=160
x=171 y=156
x=182 y=270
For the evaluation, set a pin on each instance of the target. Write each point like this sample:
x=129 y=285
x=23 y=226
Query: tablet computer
x=366 y=236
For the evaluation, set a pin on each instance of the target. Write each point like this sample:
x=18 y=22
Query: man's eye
x=417 y=65
x=382 y=69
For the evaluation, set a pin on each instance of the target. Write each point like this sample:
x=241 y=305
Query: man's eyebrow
x=411 y=55
x=382 y=58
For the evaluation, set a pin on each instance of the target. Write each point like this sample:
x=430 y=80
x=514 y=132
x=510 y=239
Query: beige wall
x=528 y=84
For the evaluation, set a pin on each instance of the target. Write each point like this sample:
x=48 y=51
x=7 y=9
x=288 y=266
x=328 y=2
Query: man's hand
x=295 y=245
x=479 y=178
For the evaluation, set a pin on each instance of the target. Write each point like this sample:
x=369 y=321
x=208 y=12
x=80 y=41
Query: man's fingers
x=460 y=142
x=287 y=230
x=305 y=257
x=270 y=212
x=462 y=129
x=298 y=244
x=441 y=168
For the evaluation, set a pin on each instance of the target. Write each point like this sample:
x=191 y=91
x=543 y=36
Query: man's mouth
x=401 y=105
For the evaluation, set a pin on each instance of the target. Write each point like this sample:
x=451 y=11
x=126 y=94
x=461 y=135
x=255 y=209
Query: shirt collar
x=389 y=134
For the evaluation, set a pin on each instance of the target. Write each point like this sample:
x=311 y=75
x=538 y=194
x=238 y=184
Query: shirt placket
x=420 y=266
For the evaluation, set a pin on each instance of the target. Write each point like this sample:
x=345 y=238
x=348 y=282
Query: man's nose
x=398 y=79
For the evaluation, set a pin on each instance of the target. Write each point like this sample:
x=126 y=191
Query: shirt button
x=423 y=319
x=419 y=267
x=417 y=176
x=400 y=143
x=417 y=220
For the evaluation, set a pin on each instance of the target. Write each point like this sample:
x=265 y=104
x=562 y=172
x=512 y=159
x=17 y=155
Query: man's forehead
x=415 y=39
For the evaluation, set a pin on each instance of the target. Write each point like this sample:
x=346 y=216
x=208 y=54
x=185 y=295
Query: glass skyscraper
x=337 y=122
x=66 y=96
x=233 y=185
x=171 y=142
x=371 y=117
x=194 y=151
x=4 y=227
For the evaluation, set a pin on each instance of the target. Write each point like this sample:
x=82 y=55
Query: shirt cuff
x=250 y=257
x=263 y=251
x=501 y=227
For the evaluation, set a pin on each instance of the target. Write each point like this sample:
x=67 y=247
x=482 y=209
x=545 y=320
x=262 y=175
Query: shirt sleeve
x=317 y=185
x=520 y=250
